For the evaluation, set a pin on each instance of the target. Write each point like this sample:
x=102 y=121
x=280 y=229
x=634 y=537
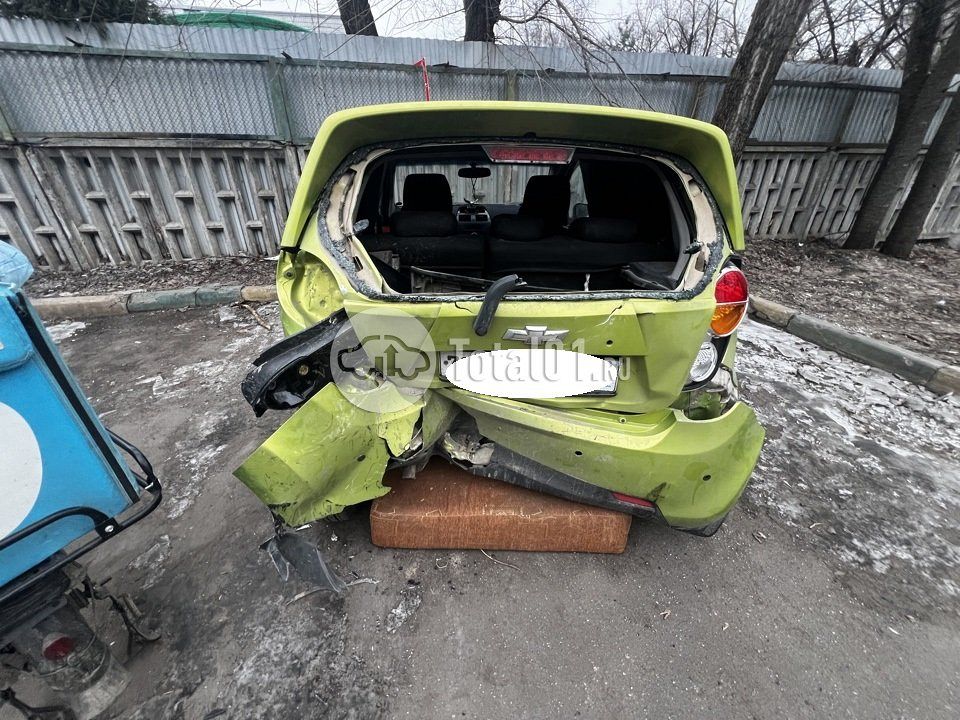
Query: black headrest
x=413 y=223
x=624 y=190
x=518 y=228
x=547 y=197
x=427 y=191
x=605 y=230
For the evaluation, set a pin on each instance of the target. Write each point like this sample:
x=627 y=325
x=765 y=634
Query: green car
x=450 y=271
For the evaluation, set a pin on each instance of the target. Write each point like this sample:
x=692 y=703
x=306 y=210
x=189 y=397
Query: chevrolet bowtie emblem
x=535 y=335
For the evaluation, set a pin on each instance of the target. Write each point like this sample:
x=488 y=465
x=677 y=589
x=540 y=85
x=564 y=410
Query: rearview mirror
x=473 y=172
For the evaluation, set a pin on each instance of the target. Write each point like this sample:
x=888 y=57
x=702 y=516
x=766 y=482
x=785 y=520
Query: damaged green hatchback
x=424 y=236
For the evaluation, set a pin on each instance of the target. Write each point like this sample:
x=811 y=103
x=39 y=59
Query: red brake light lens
x=529 y=154
x=732 y=292
x=732 y=286
x=57 y=648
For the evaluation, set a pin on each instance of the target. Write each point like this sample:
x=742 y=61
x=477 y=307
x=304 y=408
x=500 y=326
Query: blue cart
x=66 y=487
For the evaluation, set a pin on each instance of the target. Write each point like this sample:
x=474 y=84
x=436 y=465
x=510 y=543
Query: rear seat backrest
x=518 y=228
x=606 y=230
x=427 y=209
x=543 y=212
x=627 y=204
x=547 y=197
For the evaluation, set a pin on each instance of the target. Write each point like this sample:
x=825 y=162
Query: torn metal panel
x=694 y=470
x=438 y=413
x=328 y=455
x=398 y=429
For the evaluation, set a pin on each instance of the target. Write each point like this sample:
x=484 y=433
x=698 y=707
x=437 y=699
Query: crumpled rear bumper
x=693 y=470
x=330 y=454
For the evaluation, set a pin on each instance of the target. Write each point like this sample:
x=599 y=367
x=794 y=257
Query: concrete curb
x=933 y=374
x=91 y=306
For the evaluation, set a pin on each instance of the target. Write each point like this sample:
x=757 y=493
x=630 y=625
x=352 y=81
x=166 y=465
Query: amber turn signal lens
x=727 y=318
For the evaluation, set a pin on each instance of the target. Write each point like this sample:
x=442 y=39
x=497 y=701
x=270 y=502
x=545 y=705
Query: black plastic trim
x=276 y=381
x=491 y=301
x=508 y=466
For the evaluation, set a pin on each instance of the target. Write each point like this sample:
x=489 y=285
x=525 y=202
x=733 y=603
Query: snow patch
x=152 y=559
x=873 y=458
x=65 y=330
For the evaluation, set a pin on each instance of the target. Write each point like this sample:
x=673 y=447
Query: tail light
x=731 y=293
x=57 y=647
x=705 y=364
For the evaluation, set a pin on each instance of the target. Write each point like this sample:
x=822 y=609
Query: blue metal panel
x=54 y=453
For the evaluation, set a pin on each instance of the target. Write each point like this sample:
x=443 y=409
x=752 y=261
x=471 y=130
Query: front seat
x=543 y=212
x=427 y=209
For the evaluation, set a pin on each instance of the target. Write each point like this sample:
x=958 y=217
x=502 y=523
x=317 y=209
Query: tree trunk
x=926 y=188
x=773 y=29
x=357 y=18
x=917 y=103
x=481 y=16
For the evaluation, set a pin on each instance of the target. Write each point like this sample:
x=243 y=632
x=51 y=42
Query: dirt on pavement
x=161 y=275
x=913 y=303
x=833 y=590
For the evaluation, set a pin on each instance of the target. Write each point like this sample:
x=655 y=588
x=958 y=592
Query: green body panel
x=327 y=455
x=643 y=441
x=309 y=289
x=661 y=456
x=330 y=454
x=656 y=339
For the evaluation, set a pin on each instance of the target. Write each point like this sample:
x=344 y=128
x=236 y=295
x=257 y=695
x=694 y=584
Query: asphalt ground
x=833 y=590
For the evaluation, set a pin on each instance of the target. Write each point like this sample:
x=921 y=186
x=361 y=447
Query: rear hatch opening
x=445 y=219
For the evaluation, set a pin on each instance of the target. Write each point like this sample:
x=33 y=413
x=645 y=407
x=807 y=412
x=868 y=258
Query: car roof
x=703 y=145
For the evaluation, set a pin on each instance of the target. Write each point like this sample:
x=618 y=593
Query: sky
x=410 y=18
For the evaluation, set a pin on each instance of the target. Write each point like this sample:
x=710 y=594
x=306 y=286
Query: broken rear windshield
x=456 y=218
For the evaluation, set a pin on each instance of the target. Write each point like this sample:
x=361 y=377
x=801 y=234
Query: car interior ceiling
x=628 y=230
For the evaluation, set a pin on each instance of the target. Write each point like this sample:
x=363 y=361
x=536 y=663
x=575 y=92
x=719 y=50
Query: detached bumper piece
x=692 y=470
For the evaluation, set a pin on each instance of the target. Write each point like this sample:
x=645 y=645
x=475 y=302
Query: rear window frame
x=719 y=248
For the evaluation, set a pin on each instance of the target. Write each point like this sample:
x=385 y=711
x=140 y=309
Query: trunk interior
x=455 y=218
